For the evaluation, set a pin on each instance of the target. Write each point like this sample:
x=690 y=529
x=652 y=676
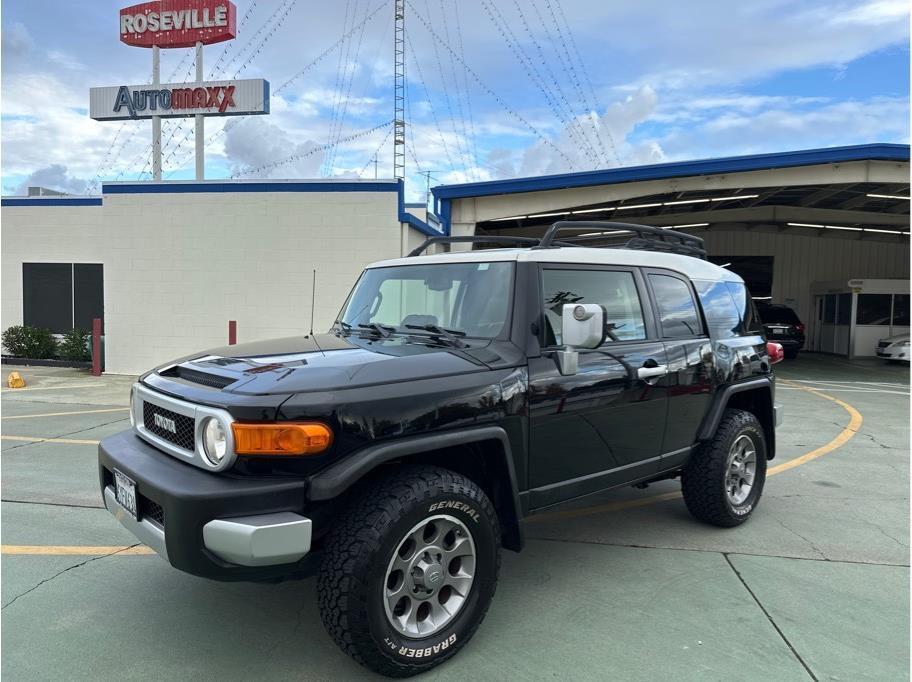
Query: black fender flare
x=721 y=400
x=339 y=477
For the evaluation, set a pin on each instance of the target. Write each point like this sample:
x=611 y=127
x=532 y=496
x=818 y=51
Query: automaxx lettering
x=218 y=97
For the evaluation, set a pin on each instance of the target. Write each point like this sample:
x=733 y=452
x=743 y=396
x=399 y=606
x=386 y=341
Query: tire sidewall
x=754 y=431
x=477 y=517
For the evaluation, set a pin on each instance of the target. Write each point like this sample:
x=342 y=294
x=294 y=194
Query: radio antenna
x=313 y=299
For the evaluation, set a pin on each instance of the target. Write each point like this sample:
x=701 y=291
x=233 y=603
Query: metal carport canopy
x=823 y=173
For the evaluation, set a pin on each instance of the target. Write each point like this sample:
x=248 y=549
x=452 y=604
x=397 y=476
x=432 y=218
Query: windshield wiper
x=441 y=333
x=383 y=330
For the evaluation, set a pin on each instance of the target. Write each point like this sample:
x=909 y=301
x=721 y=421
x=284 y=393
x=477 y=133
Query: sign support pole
x=156 y=120
x=200 y=125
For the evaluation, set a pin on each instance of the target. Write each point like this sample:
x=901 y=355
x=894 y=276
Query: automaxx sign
x=172 y=100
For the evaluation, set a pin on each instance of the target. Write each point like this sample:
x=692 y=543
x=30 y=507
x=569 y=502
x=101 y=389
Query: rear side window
x=720 y=310
x=677 y=312
x=750 y=321
x=616 y=292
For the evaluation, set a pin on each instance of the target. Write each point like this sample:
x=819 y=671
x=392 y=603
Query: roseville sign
x=173 y=100
x=178 y=23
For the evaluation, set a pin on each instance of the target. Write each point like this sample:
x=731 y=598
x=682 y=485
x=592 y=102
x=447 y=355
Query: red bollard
x=232 y=332
x=96 y=347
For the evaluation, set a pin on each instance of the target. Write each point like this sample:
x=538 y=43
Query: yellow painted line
x=62 y=414
x=69 y=550
x=48 y=388
x=855 y=422
x=32 y=439
x=844 y=436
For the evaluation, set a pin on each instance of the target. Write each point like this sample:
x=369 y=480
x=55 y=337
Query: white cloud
x=52 y=177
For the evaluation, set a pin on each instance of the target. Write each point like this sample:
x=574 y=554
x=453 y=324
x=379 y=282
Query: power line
x=417 y=64
x=465 y=81
x=519 y=117
x=596 y=105
x=302 y=155
x=503 y=27
x=558 y=91
x=458 y=96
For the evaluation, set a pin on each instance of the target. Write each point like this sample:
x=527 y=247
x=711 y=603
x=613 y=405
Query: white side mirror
x=582 y=326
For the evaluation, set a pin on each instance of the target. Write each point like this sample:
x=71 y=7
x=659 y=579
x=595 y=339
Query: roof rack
x=481 y=239
x=648 y=238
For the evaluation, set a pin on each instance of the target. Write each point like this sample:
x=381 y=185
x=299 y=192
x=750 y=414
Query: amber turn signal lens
x=281 y=438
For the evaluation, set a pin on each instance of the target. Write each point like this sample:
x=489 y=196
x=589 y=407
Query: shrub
x=29 y=342
x=75 y=346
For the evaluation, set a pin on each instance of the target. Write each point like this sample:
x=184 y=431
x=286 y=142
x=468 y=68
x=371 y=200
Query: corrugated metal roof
x=677 y=169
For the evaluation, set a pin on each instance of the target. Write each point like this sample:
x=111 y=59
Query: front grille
x=184 y=426
x=197 y=377
x=883 y=344
x=148 y=509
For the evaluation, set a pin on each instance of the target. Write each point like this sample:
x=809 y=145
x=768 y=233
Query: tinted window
x=615 y=291
x=719 y=307
x=750 y=320
x=60 y=296
x=677 y=312
x=873 y=309
x=777 y=313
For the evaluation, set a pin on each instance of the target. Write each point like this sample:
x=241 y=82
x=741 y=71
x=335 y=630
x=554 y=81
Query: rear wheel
x=409 y=570
x=723 y=481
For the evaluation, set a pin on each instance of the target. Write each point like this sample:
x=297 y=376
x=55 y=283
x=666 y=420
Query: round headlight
x=215 y=440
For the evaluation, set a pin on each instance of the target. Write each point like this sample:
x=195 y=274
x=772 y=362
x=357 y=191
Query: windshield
x=471 y=299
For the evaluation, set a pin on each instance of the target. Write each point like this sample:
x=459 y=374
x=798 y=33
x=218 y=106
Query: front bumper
x=208 y=524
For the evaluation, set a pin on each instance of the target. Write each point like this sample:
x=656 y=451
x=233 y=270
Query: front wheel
x=723 y=481
x=410 y=570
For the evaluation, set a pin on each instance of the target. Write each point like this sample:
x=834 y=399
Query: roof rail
x=648 y=238
x=480 y=239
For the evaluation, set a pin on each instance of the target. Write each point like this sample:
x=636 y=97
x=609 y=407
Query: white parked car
x=894 y=348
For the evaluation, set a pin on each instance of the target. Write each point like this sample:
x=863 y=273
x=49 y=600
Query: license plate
x=125 y=492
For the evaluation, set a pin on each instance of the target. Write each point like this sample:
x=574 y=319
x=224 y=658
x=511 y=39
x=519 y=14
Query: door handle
x=650 y=372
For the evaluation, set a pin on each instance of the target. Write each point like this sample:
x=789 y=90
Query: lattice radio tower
x=399 y=91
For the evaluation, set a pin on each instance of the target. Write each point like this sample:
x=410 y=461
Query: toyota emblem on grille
x=165 y=423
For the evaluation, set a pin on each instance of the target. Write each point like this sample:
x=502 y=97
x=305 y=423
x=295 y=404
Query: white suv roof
x=694 y=268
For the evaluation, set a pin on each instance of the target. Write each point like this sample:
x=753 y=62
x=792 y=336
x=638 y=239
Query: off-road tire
x=357 y=554
x=703 y=481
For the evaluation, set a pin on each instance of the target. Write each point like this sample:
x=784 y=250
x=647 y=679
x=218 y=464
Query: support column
x=200 y=130
x=156 y=120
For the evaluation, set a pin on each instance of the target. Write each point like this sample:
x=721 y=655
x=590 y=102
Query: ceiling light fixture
x=632 y=206
x=685 y=201
x=514 y=217
x=871 y=229
x=547 y=215
x=888 y=196
x=734 y=198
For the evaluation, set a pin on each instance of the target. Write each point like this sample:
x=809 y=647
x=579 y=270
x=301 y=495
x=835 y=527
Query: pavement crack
x=717 y=551
x=53 y=504
x=44 y=439
x=809 y=543
x=65 y=570
x=769 y=617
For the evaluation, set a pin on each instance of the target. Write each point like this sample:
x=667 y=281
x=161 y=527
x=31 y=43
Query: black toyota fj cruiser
x=456 y=394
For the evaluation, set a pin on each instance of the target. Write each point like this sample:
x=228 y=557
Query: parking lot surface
x=625 y=586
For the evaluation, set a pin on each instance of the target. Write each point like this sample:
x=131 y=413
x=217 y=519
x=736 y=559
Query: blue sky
x=505 y=89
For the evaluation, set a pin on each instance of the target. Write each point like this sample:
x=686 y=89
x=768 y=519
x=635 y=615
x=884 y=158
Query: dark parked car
x=456 y=394
x=782 y=325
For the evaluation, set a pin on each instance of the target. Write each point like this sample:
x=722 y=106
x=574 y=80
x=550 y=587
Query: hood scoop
x=197 y=377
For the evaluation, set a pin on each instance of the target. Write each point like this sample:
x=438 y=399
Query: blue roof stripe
x=676 y=169
x=72 y=201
